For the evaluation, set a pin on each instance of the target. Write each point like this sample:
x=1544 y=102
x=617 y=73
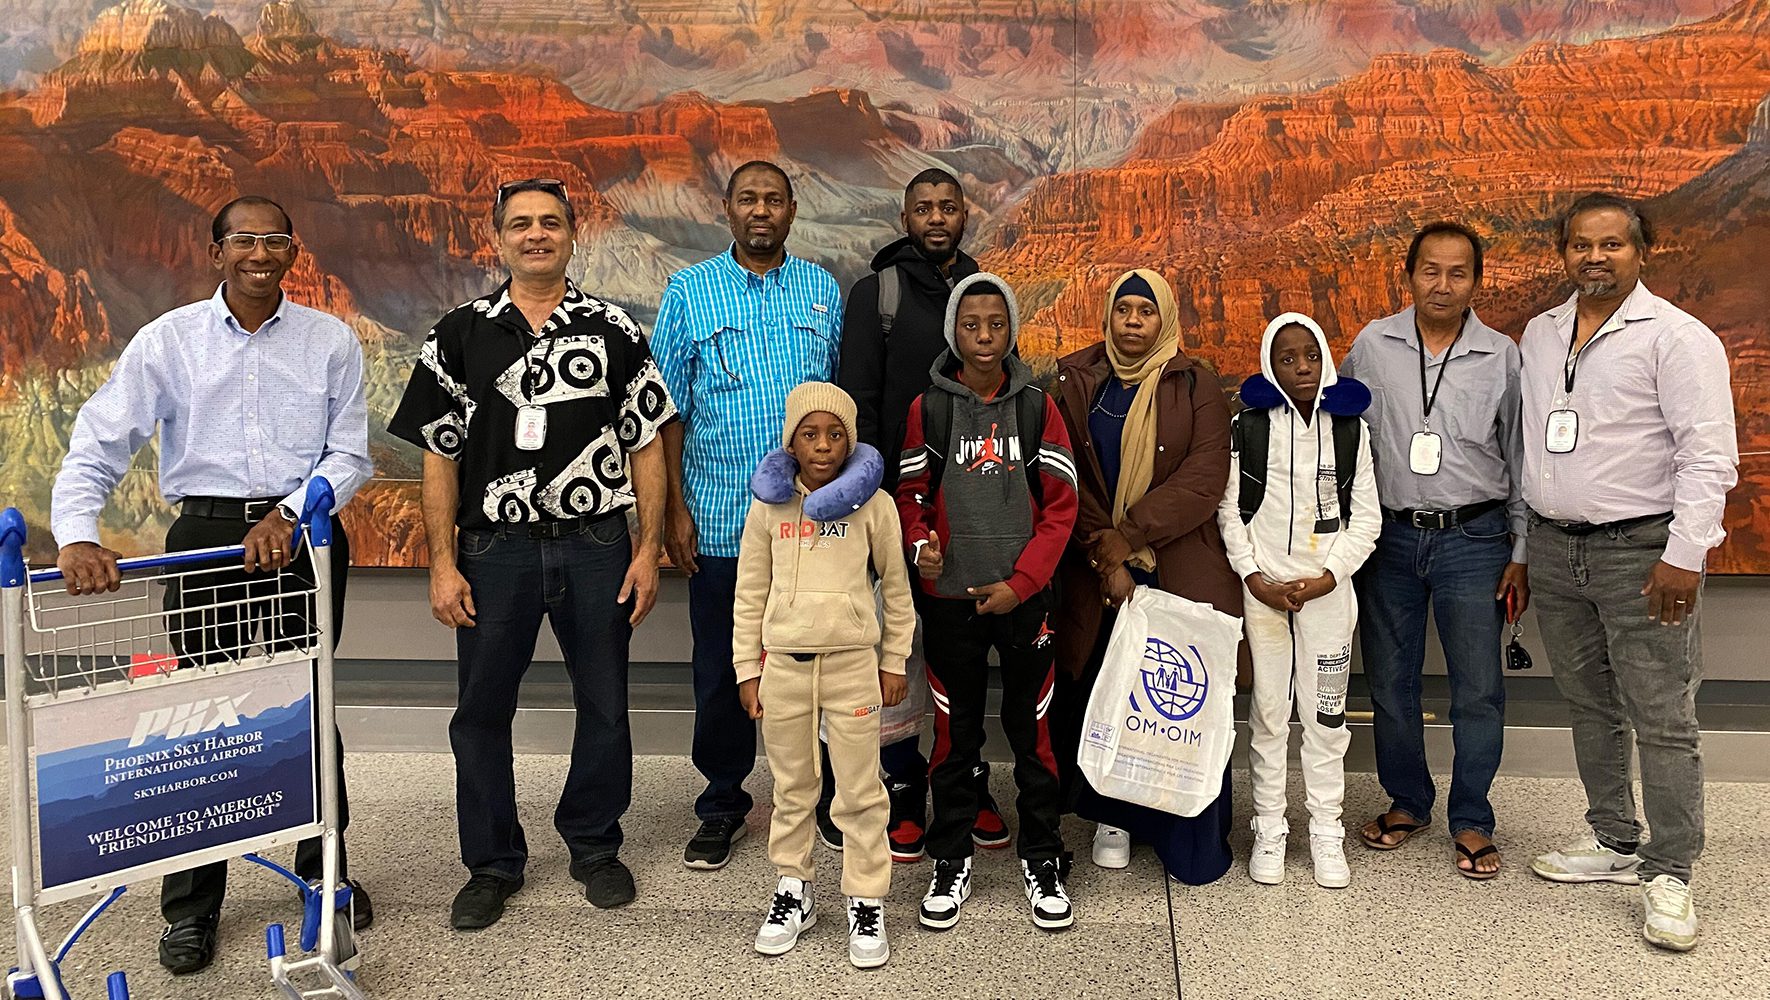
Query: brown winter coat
x=1177 y=517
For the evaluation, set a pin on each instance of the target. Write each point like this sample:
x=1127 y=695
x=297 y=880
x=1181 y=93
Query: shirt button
x=1547 y=476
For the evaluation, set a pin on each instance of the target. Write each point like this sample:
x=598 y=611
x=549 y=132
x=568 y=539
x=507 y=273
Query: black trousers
x=200 y=637
x=958 y=641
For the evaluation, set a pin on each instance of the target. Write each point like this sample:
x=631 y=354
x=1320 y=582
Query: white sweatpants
x=1291 y=653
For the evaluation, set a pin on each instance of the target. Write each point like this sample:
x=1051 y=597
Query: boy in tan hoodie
x=806 y=640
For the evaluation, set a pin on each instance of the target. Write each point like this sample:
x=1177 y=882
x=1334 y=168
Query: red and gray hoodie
x=991 y=526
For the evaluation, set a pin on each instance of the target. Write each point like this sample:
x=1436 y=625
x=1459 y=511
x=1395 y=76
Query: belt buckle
x=1432 y=519
x=256 y=510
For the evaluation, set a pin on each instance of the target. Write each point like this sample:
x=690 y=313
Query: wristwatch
x=288 y=515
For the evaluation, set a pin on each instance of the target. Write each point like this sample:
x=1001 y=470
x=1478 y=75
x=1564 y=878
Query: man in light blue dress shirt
x=253 y=396
x=734 y=335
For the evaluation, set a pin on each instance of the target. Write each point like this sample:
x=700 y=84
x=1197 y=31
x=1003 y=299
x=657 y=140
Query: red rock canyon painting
x=1264 y=154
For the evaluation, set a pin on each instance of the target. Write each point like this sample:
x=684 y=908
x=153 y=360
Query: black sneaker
x=710 y=848
x=607 y=883
x=362 y=911
x=905 y=831
x=828 y=833
x=480 y=902
x=1044 y=890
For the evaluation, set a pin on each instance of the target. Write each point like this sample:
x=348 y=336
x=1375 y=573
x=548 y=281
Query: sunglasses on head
x=550 y=185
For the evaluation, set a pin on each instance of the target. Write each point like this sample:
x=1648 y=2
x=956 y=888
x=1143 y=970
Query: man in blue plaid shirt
x=734 y=335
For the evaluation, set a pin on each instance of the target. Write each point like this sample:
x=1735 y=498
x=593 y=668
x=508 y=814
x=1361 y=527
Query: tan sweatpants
x=845 y=686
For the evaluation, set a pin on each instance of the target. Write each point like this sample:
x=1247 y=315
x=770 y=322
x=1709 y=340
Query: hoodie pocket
x=817 y=619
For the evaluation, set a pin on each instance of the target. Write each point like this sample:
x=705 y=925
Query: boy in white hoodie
x=1299 y=517
x=806 y=642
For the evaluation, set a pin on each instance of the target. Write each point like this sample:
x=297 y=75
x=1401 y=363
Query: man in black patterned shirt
x=539 y=408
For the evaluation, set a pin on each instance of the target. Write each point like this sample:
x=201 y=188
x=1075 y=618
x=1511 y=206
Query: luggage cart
x=183 y=719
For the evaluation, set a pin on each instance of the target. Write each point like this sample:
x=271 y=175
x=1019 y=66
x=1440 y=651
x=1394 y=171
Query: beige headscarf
x=1137 y=447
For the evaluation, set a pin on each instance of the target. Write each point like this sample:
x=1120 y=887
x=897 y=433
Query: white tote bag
x=1161 y=721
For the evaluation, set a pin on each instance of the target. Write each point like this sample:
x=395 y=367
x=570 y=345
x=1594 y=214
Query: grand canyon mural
x=1265 y=154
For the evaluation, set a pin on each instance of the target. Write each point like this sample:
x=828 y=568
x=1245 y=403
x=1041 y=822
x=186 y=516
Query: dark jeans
x=958 y=641
x=1621 y=671
x=1453 y=572
x=204 y=636
x=573 y=581
x=724 y=748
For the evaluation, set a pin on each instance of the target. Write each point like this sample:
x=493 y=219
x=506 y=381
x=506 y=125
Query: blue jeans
x=724 y=749
x=1453 y=572
x=573 y=581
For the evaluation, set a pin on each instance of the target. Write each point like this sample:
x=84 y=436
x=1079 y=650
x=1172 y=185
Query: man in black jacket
x=893 y=327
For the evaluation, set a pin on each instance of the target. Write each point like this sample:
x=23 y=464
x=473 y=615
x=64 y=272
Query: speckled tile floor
x=1408 y=927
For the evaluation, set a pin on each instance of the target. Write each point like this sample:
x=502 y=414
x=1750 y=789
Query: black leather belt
x=228 y=509
x=1437 y=520
x=1580 y=528
x=570 y=526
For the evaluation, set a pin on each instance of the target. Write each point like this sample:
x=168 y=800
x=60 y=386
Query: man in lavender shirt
x=1629 y=451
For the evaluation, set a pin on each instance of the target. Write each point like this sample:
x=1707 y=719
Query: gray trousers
x=1619 y=670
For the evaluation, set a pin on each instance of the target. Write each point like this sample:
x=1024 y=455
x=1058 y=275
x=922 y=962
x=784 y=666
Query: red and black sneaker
x=906 y=837
x=990 y=830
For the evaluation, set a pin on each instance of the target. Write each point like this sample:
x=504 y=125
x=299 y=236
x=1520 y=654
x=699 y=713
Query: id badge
x=531 y=427
x=1562 y=432
x=1425 y=453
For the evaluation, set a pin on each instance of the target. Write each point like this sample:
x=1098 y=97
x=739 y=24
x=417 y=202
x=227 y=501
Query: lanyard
x=1570 y=368
x=1429 y=399
x=528 y=375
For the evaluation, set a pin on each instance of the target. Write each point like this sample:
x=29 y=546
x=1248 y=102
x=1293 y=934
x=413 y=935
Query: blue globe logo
x=1176 y=687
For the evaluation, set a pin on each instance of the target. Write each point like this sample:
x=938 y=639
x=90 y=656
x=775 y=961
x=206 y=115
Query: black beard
x=939 y=256
x=760 y=244
x=1597 y=289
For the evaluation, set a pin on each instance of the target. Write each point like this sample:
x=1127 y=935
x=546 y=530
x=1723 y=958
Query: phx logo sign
x=1176 y=686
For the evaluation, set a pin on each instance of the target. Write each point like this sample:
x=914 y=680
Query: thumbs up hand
x=929 y=561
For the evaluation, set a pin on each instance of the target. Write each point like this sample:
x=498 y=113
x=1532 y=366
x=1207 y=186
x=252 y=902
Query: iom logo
x=1176 y=686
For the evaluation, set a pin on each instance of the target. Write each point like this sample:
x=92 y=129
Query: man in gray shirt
x=1629 y=453
x=1445 y=437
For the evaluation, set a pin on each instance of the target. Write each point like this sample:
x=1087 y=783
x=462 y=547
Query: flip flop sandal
x=1472 y=873
x=1405 y=828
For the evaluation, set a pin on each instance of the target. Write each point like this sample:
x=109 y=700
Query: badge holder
x=531 y=427
x=1561 y=433
x=1425 y=453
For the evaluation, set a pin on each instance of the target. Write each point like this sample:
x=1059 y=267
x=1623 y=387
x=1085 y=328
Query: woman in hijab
x=1152 y=453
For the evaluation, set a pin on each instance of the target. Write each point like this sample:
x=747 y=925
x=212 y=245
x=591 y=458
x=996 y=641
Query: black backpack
x=937 y=433
x=1249 y=436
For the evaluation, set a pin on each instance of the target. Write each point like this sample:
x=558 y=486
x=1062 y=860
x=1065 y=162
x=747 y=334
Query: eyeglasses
x=248 y=242
x=550 y=185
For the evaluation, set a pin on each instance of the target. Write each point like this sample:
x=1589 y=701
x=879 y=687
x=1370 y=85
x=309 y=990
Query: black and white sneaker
x=710 y=848
x=791 y=913
x=867 y=947
x=947 y=891
x=1044 y=890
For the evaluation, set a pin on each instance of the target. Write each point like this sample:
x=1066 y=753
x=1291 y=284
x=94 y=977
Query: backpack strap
x=1346 y=435
x=1029 y=413
x=890 y=294
x=1249 y=436
x=937 y=435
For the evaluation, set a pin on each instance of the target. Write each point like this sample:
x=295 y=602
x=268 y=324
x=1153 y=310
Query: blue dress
x=1195 y=849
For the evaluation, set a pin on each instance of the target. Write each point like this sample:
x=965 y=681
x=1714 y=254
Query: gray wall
x=388 y=618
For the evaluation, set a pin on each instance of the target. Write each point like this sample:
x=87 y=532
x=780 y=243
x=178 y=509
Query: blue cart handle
x=315 y=517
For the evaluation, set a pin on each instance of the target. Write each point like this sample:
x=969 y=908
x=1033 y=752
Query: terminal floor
x=1408 y=927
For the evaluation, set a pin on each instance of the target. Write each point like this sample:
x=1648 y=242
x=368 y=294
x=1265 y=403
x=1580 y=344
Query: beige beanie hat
x=811 y=397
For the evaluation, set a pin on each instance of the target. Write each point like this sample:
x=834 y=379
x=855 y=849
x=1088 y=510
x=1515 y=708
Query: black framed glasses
x=248 y=242
x=551 y=185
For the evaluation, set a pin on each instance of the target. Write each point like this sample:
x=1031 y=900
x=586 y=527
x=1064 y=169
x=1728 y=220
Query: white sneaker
x=1112 y=847
x=1671 y=913
x=1044 y=890
x=1586 y=860
x=947 y=892
x=790 y=915
x=1266 y=864
x=867 y=947
x=1329 y=855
